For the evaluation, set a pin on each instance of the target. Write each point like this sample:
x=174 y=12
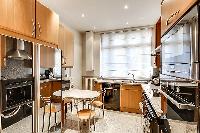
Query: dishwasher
x=111 y=96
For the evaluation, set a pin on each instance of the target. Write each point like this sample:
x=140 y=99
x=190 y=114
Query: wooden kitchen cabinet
x=130 y=97
x=66 y=44
x=24 y=17
x=56 y=86
x=18 y=16
x=2 y=51
x=171 y=11
x=61 y=36
x=47 y=24
x=7 y=14
x=47 y=57
x=45 y=89
x=69 y=48
x=163 y=104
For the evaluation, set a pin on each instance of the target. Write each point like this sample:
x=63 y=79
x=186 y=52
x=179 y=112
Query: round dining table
x=76 y=94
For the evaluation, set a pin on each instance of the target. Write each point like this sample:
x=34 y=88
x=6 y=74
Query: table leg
x=63 y=113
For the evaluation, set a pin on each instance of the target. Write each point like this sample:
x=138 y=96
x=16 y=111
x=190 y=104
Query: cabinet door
x=43 y=60
x=56 y=86
x=47 y=23
x=7 y=14
x=24 y=17
x=50 y=57
x=41 y=22
x=69 y=48
x=171 y=11
x=134 y=98
x=2 y=51
x=45 y=89
x=123 y=98
x=47 y=57
x=61 y=37
x=53 y=27
x=168 y=8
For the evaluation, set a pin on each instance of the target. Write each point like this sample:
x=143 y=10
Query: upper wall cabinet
x=47 y=57
x=171 y=11
x=18 y=16
x=47 y=24
x=66 y=44
x=69 y=48
x=61 y=36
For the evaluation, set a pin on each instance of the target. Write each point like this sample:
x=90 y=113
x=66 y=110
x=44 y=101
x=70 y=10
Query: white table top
x=78 y=94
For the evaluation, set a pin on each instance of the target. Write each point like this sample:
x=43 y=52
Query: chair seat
x=55 y=107
x=86 y=114
x=97 y=103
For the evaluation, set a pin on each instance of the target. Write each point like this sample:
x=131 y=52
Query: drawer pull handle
x=173 y=15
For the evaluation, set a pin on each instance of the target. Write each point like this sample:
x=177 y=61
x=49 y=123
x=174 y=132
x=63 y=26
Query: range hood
x=18 y=51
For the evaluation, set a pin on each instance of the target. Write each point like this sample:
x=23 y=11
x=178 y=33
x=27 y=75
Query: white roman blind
x=126 y=52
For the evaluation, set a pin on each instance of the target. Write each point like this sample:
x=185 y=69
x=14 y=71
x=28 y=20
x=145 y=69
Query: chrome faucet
x=132 y=76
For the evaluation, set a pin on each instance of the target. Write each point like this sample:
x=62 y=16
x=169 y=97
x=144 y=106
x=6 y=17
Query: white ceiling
x=105 y=14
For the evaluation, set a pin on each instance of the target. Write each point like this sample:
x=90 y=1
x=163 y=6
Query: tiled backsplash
x=15 y=69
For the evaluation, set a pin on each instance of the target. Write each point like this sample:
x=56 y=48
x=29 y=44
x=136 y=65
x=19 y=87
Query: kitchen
x=95 y=66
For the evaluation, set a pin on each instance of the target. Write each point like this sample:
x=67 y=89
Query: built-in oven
x=16 y=92
x=11 y=116
x=17 y=97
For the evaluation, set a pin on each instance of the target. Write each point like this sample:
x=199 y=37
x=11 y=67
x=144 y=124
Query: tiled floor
x=113 y=122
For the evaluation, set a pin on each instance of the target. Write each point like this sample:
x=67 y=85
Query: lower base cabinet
x=130 y=97
x=48 y=88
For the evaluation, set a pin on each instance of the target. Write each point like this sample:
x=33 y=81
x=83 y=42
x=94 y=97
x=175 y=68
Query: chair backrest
x=45 y=100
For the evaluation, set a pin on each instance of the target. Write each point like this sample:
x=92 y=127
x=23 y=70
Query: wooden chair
x=85 y=114
x=99 y=102
x=49 y=108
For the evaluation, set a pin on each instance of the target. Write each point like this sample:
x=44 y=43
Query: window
x=126 y=52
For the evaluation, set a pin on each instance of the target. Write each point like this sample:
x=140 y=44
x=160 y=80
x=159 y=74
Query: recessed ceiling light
x=126 y=23
x=125 y=6
x=82 y=15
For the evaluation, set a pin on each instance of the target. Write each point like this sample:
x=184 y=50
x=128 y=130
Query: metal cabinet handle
x=162 y=2
x=172 y=15
x=33 y=27
x=40 y=29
